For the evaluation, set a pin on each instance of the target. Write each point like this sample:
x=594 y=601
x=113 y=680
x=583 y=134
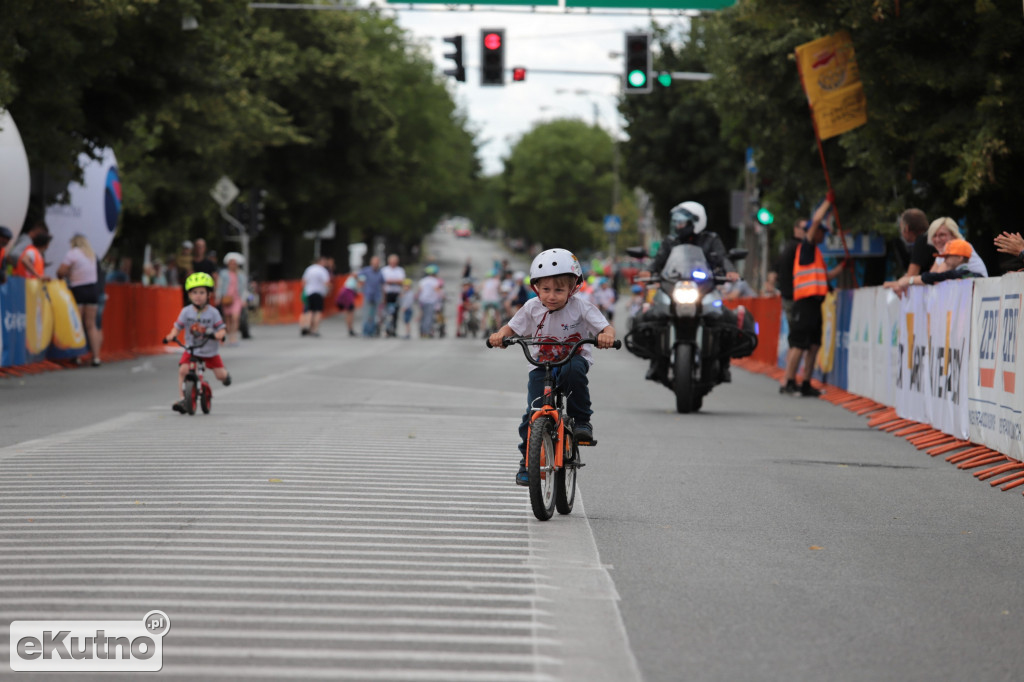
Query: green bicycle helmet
x=198 y=279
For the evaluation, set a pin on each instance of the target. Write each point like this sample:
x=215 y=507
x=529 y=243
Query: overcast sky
x=573 y=42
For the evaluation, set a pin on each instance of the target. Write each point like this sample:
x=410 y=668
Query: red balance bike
x=196 y=390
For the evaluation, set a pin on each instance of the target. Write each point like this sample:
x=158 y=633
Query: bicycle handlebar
x=527 y=341
x=190 y=349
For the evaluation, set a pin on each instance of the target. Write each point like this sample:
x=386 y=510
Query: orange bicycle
x=552 y=450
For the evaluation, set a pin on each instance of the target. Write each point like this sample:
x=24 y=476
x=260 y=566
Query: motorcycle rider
x=687 y=226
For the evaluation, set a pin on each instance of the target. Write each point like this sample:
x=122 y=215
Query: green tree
x=558 y=179
x=675 y=150
x=337 y=115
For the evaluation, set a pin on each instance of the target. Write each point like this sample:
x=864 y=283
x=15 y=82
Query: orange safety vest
x=809 y=280
x=31 y=264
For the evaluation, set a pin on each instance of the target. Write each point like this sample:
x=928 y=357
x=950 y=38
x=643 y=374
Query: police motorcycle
x=686 y=330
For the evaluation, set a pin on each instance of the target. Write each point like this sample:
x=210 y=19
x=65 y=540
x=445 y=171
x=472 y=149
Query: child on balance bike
x=199 y=319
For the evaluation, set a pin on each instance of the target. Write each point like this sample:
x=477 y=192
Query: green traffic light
x=637 y=78
x=665 y=79
x=765 y=217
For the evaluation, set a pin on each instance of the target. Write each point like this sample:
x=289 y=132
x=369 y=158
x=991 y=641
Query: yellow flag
x=831 y=80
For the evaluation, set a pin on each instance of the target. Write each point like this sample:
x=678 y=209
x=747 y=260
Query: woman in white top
x=941 y=232
x=79 y=267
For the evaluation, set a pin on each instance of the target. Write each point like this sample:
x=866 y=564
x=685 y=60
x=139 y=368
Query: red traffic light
x=492 y=41
x=519 y=73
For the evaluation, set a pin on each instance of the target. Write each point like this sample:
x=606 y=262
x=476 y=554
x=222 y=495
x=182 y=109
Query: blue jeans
x=572 y=379
x=427 y=319
x=370 y=321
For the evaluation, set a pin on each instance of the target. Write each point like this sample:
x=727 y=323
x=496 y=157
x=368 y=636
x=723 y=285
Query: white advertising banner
x=885 y=346
x=912 y=378
x=995 y=407
x=858 y=375
x=949 y=344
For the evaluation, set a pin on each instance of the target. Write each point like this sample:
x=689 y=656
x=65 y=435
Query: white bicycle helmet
x=556 y=262
x=689 y=212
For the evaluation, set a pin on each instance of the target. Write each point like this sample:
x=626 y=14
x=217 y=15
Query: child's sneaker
x=227 y=379
x=180 y=406
x=584 y=432
x=523 y=477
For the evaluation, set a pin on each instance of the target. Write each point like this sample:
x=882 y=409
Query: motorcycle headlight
x=686 y=293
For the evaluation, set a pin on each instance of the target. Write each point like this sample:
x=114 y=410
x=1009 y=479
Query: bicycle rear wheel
x=191 y=396
x=565 y=479
x=540 y=454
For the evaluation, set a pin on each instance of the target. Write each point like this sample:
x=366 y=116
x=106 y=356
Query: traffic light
x=638 y=63
x=259 y=205
x=492 y=49
x=519 y=73
x=459 y=71
x=764 y=216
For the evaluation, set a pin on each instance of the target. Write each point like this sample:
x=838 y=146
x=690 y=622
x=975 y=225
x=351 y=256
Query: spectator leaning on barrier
x=955 y=266
x=941 y=232
x=914 y=230
x=1012 y=244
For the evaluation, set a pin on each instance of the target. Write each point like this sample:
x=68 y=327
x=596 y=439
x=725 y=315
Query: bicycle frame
x=552 y=399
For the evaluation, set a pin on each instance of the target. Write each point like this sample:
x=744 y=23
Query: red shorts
x=211 y=363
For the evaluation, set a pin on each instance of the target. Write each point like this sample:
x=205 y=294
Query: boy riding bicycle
x=557 y=315
x=199 y=319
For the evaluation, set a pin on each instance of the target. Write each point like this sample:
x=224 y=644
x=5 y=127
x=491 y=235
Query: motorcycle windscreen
x=684 y=260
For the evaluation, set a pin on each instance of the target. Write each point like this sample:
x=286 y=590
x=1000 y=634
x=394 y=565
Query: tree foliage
x=337 y=115
x=943 y=87
x=558 y=181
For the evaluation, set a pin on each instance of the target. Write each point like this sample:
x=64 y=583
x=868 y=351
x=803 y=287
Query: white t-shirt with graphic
x=578 y=319
x=197 y=324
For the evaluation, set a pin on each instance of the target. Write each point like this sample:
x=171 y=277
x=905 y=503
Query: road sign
x=612 y=224
x=224 y=192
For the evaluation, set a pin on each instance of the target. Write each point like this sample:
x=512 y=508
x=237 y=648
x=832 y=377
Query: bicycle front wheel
x=565 y=479
x=540 y=454
x=191 y=396
x=206 y=398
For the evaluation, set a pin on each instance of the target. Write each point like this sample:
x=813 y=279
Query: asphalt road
x=347 y=512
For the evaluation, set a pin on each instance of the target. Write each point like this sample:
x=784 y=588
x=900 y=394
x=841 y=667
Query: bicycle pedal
x=586 y=443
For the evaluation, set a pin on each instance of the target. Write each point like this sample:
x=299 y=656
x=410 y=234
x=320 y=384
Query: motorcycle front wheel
x=682 y=381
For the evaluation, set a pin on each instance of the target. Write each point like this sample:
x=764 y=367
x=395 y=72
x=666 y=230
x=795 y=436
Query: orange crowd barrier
x=136 y=317
x=767 y=312
x=281 y=302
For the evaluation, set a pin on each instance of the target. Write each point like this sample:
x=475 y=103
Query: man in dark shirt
x=914 y=230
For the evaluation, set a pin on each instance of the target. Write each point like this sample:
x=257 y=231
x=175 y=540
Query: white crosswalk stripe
x=287 y=542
